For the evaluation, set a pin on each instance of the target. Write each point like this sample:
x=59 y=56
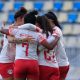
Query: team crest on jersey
x=10 y=71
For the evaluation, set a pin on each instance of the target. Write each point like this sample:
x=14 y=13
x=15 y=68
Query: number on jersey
x=25 y=45
x=48 y=56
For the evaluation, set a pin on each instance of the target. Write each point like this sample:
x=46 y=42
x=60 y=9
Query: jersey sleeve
x=28 y=26
x=56 y=33
x=41 y=38
x=50 y=39
x=13 y=31
x=38 y=29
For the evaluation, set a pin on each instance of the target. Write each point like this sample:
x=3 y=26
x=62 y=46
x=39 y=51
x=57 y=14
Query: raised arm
x=18 y=40
x=4 y=31
x=50 y=44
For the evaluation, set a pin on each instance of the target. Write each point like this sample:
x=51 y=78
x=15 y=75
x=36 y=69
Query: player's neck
x=17 y=23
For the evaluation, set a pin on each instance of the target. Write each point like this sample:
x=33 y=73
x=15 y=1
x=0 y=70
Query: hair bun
x=21 y=12
x=22 y=9
x=34 y=12
x=50 y=12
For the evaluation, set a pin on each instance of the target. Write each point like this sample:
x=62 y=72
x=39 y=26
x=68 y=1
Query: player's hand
x=1 y=26
x=30 y=39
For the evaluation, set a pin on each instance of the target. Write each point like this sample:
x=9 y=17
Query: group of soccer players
x=33 y=48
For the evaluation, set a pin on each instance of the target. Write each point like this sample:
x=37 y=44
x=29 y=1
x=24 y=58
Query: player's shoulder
x=11 y=26
x=57 y=30
x=38 y=33
x=27 y=26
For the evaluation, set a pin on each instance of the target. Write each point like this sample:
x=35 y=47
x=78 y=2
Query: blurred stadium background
x=68 y=13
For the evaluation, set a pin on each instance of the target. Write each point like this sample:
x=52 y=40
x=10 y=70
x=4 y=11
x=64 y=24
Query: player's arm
x=11 y=37
x=52 y=44
x=1 y=43
x=18 y=40
x=49 y=43
x=4 y=31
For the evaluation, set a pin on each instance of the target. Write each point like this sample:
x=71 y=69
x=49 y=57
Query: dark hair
x=44 y=24
x=53 y=17
x=31 y=17
x=20 y=13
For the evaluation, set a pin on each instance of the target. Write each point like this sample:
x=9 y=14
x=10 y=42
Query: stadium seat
x=78 y=19
x=1 y=5
x=3 y=16
x=5 y=0
x=76 y=5
x=48 y=5
x=71 y=41
x=76 y=29
x=28 y=5
x=17 y=5
x=68 y=5
x=67 y=29
x=38 y=5
x=57 y=6
x=10 y=17
x=72 y=17
x=78 y=42
x=20 y=0
x=62 y=17
x=8 y=6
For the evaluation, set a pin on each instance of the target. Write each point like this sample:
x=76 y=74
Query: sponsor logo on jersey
x=10 y=71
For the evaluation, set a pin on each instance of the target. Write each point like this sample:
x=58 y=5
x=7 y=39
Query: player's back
x=47 y=57
x=27 y=50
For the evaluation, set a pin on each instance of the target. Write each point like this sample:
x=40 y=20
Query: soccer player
x=26 y=53
x=7 y=54
x=48 y=64
x=60 y=49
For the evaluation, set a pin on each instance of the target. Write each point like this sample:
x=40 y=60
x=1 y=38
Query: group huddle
x=33 y=48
